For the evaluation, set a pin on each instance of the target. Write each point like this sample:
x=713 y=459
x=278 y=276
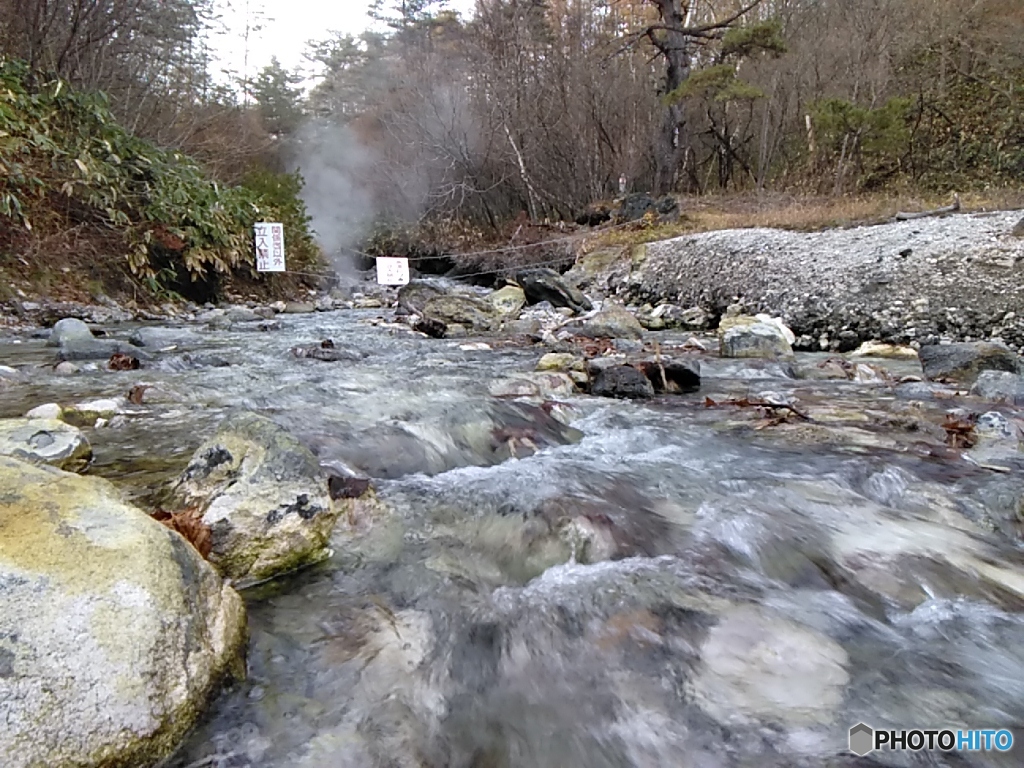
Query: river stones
x=962 y=362
x=264 y=497
x=113 y=630
x=45 y=441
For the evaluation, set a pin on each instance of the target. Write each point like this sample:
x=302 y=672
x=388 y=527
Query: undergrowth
x=66 y=164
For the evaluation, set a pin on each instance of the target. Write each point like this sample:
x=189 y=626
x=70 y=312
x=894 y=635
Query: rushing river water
x=673 y=585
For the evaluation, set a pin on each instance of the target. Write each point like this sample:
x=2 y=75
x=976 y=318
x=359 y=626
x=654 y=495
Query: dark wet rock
x=432 y=327
x=327 y=353
x=268 y=325
x=637 y=205
x=612 y=322
x=98 y=349
x=161 y=338
x=1018 y=229
x=114 y=632
x=454 y=309
x=621 y=381
x=1000 y=387
x=962 y=362
x=672 y=376
x=264 y=497
x=345 y=487
x=414 y=295
x=541 y=285
x=70 y=329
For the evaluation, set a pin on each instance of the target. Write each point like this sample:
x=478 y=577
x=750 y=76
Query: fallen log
x=954 y=208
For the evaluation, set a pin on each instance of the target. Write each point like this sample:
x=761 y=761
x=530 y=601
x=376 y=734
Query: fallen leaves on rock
x=136 y=393
x=122 y=362
x=960 y=431
x=189 y=523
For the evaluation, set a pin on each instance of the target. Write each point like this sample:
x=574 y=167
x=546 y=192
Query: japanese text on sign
x=392 y=271
x=269 y=242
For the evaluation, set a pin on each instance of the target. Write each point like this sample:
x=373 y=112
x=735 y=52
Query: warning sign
x=269 y=242
x=391 y=271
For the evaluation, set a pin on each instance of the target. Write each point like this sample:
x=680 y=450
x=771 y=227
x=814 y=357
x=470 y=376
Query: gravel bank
x=959 y=277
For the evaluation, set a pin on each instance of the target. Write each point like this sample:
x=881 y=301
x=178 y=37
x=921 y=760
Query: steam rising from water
x=336 y=167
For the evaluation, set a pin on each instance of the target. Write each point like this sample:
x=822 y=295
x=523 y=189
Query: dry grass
x=799 y=213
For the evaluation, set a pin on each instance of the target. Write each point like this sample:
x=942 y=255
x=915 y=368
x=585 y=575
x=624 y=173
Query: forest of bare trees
x=543 y=106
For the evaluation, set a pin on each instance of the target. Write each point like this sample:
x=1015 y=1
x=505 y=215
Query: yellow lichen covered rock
x=264 y=497
x=113 y=630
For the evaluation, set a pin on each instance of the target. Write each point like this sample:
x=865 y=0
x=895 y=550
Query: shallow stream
x=673 y=585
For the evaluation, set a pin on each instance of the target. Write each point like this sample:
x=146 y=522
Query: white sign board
x=392 y=271
x=269 y=241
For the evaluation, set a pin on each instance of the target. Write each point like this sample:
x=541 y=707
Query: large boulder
x=416 y=293
x=264 y=497
x=467 y=311
x=963 y=362
x=750 y=337
x=1000 y=387
x=68 y=329
x=45 y=441
x=114 y=632
x=541 y=285
x=612 y=322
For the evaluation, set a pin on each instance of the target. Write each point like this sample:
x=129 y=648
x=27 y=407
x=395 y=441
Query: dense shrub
x=64 y=160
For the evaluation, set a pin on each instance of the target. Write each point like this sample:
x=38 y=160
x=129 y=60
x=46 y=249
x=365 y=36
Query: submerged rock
x=264 y=497
x=963 y=362
x=161 y=338
x=97 y=349
x=113 y=630
x=45 y=441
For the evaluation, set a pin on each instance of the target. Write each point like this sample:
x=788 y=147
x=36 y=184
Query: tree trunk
x=675 y=47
